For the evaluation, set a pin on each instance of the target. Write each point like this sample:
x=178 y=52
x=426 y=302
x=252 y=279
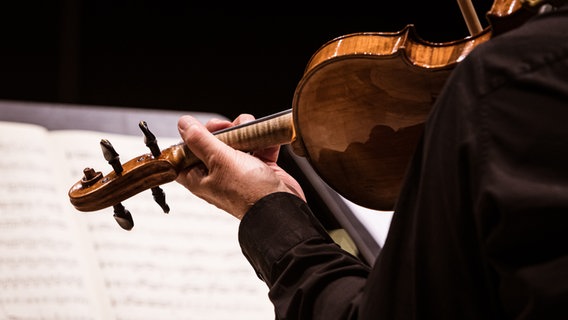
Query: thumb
x=198 y=139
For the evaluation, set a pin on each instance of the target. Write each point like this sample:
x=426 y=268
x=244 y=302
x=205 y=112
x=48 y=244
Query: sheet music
x=183 y=265
x=41 y=273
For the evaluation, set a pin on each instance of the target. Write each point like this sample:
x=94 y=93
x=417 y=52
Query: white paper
x=59 y=263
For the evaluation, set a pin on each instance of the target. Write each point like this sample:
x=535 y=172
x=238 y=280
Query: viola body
x=361 y=106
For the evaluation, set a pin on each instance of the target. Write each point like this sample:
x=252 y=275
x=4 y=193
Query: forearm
x=309 y=276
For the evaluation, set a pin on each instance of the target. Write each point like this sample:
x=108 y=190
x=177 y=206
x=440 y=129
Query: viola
x=357 y=114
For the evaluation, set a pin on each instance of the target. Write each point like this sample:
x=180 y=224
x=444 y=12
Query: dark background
x=221 y=58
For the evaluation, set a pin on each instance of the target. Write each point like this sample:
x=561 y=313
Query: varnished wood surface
x=406 y=44
x=505 y=15
x=361 y=105
x=360 y=108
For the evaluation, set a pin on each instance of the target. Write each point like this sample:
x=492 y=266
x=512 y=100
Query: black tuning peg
x=150 y=139
x=160 y=198
x=123 y=217
x=111 y=156
x=152 y=143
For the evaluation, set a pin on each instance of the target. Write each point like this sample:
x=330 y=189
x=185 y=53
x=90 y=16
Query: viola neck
x=274 y=130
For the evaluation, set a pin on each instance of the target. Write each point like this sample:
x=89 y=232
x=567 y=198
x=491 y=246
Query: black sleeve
x=309 y=276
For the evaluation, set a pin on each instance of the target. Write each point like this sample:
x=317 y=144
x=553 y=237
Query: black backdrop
x=223 y=58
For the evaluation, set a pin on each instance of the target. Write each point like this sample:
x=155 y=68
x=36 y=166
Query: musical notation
x=57 y=263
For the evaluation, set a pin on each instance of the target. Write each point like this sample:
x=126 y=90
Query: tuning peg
x=111 y=156
x=150 y=139
x=160 y=198
x=90 y=176
x=152 y=143
x=123 y=217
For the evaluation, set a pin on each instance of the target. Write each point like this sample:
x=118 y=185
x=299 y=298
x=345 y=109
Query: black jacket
x=481 y=226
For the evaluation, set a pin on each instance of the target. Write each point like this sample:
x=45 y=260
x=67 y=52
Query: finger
x=198 y=139
x=268 y=154
x=243 y=118
x=217 y=124
x=191 y=177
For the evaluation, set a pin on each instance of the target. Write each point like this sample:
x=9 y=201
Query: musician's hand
x=230 y=179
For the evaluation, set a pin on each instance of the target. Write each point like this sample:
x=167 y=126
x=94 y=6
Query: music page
x=43 y=274
x=185 y=264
